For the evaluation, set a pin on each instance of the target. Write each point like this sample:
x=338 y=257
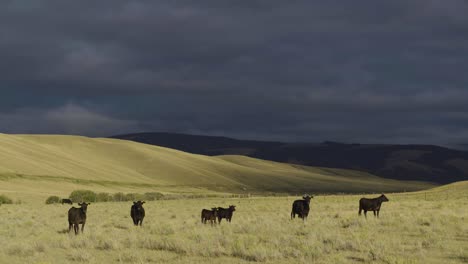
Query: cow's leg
x=141 y=222
x=82 y=227
x=374 y=213
x=70 y=225
x=360 y=209
x=378 y=213
x=76 y=228
x=365 y=213
x=219 y=220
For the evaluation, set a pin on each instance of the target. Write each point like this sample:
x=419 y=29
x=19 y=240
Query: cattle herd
x=301 y=208
x=217 y=213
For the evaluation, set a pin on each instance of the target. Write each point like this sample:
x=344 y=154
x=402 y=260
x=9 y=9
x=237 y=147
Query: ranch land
x=421 y=227
x=425 y=224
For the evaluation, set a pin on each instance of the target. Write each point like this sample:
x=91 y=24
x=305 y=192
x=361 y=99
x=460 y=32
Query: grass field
x=35 y=166
x=424 y=227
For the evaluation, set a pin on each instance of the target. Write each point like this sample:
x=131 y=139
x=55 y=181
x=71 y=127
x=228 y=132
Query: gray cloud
x=286 y=70
x=68 y=119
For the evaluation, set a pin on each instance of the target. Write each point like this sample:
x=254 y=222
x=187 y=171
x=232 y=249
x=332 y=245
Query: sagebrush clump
x=53 y=200
x=5 y=200
x=90 y=196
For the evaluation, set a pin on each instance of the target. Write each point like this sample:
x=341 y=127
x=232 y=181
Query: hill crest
x=401 y=162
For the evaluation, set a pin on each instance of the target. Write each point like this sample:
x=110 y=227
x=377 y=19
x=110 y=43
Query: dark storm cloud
x=363 y=71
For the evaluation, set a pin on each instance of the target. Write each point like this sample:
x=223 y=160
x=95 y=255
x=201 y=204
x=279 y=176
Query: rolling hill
x=402 y=162
x=45 y=164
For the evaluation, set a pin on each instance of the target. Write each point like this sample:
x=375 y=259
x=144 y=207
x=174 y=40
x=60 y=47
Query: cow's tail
x=292 y=214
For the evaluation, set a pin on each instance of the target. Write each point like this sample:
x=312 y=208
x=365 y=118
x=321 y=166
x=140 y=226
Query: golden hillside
x=46 y=164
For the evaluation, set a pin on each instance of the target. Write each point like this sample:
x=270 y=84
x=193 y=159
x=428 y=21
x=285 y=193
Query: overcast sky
x=352 y=71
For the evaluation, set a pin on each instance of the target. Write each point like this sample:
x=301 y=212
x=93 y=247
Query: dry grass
x=410 y=230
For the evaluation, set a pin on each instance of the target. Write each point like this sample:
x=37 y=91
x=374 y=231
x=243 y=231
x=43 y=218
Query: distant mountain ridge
x=402 y=162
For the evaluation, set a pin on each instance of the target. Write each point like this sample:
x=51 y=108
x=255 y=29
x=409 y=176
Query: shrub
x=153 y=196
x=103 y=197
x=5 y=200
x=134 y=197
x=90 y=196
x=52 y=200
x=83 y=196
x=119 y=197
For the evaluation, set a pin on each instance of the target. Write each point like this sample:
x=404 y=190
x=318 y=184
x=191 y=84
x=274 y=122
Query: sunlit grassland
x=421 y=227
x=425 y=227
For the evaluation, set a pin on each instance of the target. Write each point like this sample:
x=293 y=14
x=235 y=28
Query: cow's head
x=307 y=198
x=215 y=211
x=384 y=198
x=84 y=206
x=138 y=205
x=232 y=208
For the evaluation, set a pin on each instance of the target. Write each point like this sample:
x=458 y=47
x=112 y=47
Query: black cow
x=67 y=201
x=301 y=208
x=226 y=213
x=77 y=216
x=372 y=204
x=209 y=215
x=137 y=212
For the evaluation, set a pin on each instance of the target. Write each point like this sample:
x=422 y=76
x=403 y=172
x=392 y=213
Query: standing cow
x=77 y=216
x=301 y=207
x=226 y=213
x=209 y=215
x=137 y=212
x=372 y=204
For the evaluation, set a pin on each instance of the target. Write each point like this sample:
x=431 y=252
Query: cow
x=301 y=207
x=209 y=215
x=372 y=205
x=67 y=201
x=77 y=216
x=137 y=212
x=226 y=213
